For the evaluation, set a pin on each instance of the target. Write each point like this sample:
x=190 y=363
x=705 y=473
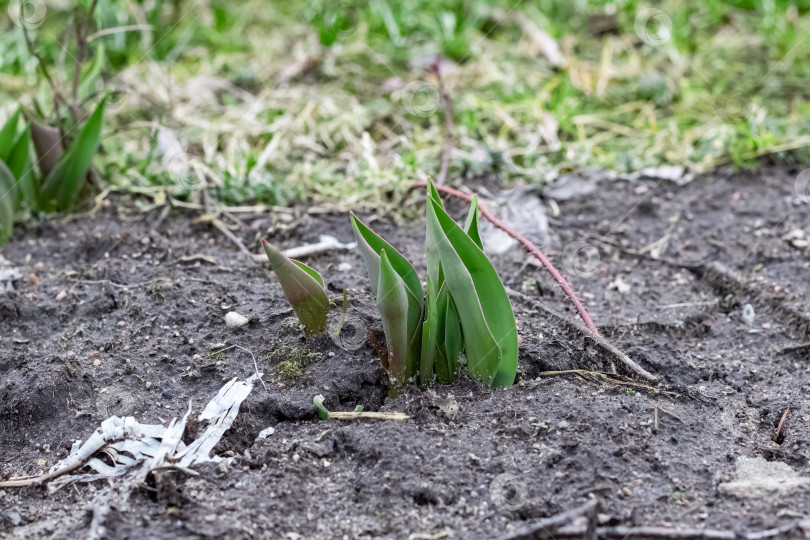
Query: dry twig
x=781 y=425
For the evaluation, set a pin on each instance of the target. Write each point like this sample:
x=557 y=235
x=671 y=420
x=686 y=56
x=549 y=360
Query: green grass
x=279 y=101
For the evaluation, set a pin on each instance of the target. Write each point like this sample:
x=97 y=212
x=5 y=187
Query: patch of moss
x=293 y=360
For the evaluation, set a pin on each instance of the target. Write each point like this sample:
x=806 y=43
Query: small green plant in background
x=465 y=307
x=15 y=173
x=62 y=172
x=62 y=184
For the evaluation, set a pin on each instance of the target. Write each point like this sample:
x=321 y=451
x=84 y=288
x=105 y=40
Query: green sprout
x=396 y=286
x=358 y=412
x=483 y=307
x=465 y=307
x=303 y=288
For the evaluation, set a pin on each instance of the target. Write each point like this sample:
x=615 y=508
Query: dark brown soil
x=142 y=305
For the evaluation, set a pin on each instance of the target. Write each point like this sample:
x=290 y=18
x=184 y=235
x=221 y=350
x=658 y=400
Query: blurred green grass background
x=335 y=102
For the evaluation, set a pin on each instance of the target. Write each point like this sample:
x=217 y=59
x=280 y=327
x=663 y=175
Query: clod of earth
x=757 y=478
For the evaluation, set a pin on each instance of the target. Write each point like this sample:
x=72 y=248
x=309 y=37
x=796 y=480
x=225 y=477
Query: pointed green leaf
x=471 y=225
x=20 y=166
x=18 y=159
x=431 y=249
x=61 y=188
x=406 y=331
x=434 y=193
x=303 y=288
x=490 y=333
x=315 y=275
x=430 y=334
x=370 y=245
x=451 y=331
x=392 y=299
x=7 y=136
x=450 y=342
x=8 y=201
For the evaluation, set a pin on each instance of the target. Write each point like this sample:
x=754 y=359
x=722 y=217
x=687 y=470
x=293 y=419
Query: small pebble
x=748 y=314
x=235 y=320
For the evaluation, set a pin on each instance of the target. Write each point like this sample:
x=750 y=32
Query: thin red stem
x=528 y=246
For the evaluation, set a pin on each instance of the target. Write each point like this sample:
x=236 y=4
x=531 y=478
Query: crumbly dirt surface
x=118 y=317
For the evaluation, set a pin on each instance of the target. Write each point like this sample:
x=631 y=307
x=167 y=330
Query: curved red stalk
x=528 y=246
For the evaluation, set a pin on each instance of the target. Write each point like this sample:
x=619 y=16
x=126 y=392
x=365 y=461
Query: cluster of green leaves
x=62 y=172
x=464 y=308
x=15 y=175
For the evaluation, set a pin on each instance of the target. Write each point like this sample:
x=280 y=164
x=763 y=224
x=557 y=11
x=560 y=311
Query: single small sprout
x=323 y=413
x=303 y=288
